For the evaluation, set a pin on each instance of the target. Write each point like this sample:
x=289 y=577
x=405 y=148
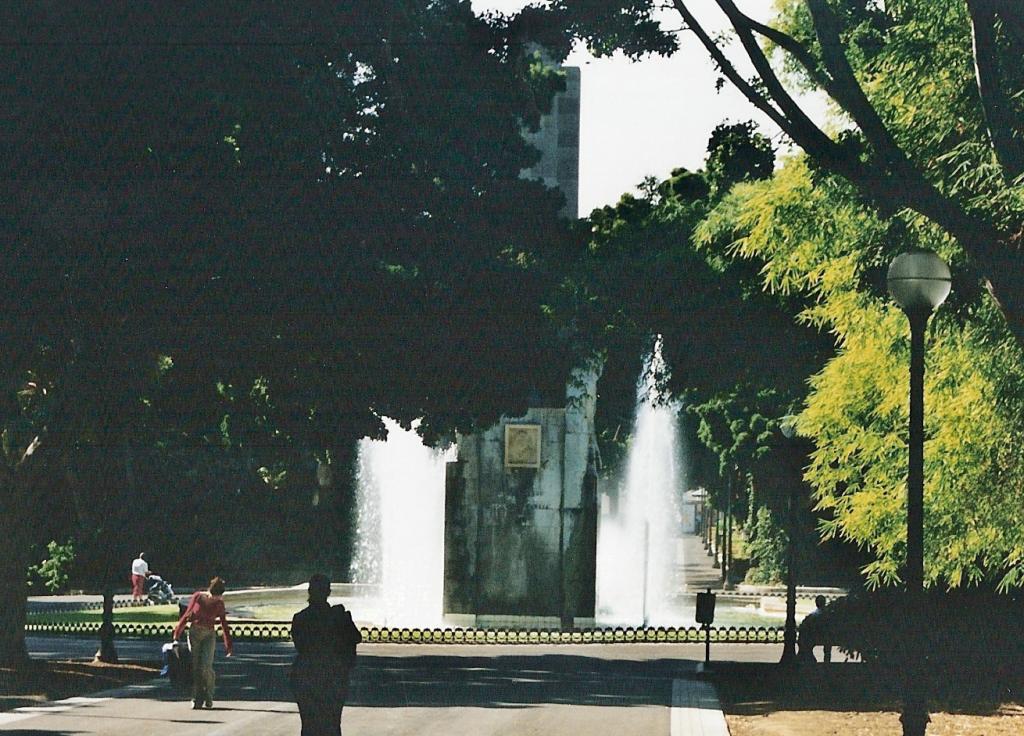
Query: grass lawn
x=852 y=699
x=158 y=615
x=41 y=681
x=138 y=614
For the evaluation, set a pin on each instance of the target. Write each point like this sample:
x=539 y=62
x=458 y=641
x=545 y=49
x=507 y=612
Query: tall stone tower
x=520 y=544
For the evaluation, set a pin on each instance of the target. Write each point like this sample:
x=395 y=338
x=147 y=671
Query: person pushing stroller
x=140 y=571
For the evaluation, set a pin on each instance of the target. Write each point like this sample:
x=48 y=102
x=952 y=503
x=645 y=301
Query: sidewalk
x=697 y=572
x=601 y=690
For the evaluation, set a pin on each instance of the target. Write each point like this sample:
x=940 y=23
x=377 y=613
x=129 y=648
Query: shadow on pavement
x=511 y=681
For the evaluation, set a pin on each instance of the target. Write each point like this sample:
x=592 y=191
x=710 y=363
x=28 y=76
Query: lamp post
x=919 y=281
x=789 y=633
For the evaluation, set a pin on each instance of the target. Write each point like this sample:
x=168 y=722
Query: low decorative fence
x=281 y=631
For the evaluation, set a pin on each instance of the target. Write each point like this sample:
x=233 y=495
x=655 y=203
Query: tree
x=736 y=356
x=737 y=152
x=315 y=210
x=929 y=94
x=811 y=234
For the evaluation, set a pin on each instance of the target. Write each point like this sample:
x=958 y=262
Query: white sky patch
x=648 y=117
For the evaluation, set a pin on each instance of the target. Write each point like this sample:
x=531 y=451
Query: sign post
x=706 y=617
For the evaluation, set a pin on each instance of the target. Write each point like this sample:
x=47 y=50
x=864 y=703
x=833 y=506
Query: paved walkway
x=697 y=571
x=403 y=690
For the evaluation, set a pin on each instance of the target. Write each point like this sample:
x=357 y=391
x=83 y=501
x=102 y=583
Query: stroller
x=158 y=591
x=177 y=663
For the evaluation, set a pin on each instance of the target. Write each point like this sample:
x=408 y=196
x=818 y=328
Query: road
x=411 y=689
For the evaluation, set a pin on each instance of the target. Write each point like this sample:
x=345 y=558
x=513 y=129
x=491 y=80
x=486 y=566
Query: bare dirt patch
x=842 y=723
x=853 y=699
x=40 y=681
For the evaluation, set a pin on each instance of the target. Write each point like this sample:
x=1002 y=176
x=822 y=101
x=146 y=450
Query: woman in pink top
x=204 y=608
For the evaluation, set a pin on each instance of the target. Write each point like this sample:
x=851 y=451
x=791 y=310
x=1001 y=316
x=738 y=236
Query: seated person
x=813 y=631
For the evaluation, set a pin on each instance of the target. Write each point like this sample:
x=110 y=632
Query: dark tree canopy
x=737 y=152
x=309 y=215
x=236 y=189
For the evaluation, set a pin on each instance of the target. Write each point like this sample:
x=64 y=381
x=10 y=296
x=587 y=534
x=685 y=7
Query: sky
x=648 y=117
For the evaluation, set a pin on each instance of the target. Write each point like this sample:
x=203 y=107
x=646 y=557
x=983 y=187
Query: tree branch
x=909 y=187
x=892 y=184
x=756 y=98
x=895 y=183
x=793 y=47
x=848 y=92
x=995 y=104
x=797 y=117
x=798 y=127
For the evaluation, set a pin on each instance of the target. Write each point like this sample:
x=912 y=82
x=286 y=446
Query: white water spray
x=400 y=530
x=637 y=541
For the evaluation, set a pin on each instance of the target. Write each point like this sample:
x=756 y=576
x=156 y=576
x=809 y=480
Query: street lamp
x=919 y=281
x=789 y=634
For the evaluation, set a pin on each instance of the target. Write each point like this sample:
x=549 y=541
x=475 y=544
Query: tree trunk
x=14 y=561
x=15 y=511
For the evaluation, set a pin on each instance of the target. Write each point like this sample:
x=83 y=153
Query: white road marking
x=57 y=706
x=695 y=710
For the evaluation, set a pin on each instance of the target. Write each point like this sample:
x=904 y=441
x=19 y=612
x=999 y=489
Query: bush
x=53 y=572
x=958 y=633
x=766 y=546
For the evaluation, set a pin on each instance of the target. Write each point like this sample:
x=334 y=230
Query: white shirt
x=139 y=566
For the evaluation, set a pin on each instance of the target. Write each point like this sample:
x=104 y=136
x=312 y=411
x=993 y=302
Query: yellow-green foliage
x=915 y=61
x=815 y=239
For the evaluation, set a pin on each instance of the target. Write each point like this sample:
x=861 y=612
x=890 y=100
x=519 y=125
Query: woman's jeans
x=203 y=644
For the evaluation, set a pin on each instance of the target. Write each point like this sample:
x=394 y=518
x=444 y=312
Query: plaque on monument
x=522 y=445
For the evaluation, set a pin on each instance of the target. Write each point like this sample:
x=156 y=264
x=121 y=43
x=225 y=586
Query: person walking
x=325 y=640
x=140 y=571
x=205 y=607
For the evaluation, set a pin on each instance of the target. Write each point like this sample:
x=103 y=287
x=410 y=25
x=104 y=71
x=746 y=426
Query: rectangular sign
x=522 y=445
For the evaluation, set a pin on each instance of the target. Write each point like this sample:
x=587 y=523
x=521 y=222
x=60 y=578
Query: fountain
x=637 y=541
x=532 y=527
x=400 y=526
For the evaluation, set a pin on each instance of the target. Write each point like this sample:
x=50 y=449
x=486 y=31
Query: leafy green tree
x=766 y=544
x=317 y=209
x=737 y=152
x=54 y=571
x=735 y=354
x=814 y=236
x=929 y=94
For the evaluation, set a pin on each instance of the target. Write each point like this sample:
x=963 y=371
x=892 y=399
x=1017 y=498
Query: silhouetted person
x=325 y=638
x=813 y=632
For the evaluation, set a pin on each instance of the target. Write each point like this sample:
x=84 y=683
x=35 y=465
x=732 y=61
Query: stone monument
x=521 y=518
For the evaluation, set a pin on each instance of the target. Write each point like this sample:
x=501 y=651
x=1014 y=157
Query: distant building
x=559 y=142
